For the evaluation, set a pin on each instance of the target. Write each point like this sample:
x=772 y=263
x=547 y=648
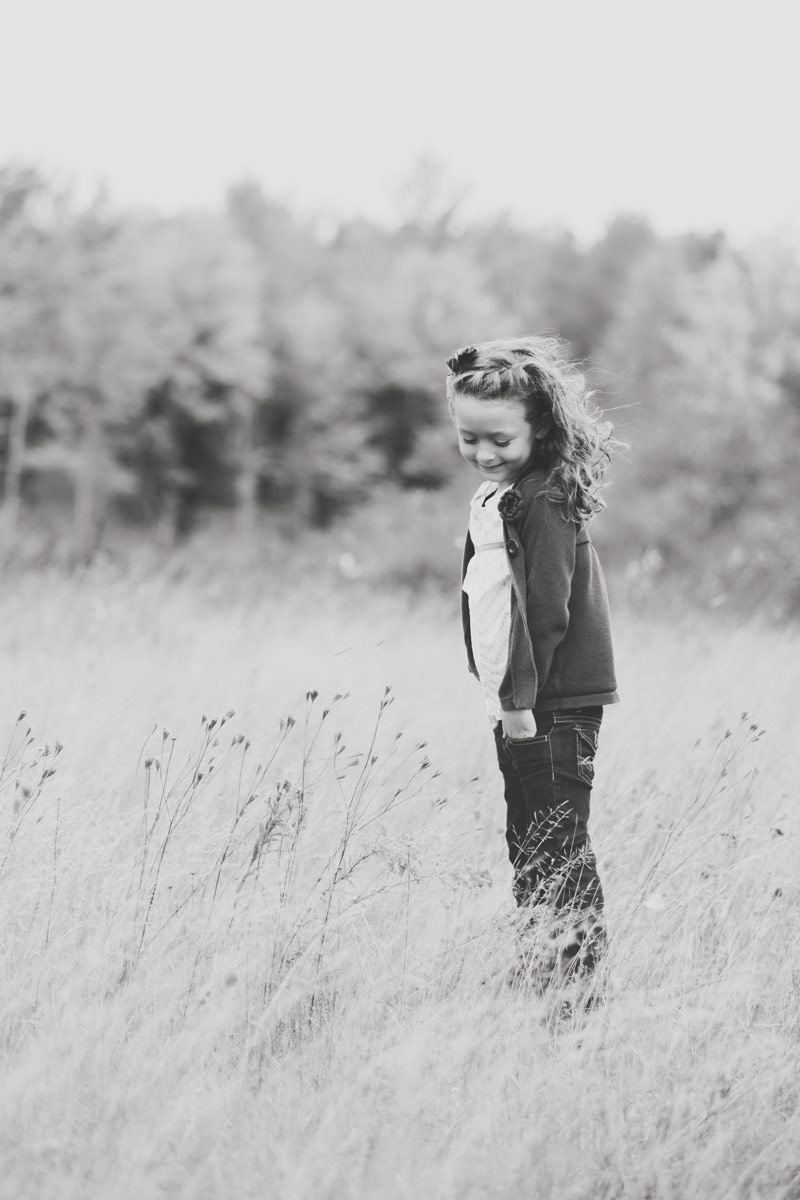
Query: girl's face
x=494 y=436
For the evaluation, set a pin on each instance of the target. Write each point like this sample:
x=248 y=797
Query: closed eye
x=470 y=441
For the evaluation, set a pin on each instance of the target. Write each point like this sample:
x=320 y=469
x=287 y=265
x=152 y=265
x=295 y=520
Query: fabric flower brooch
x=510 y=504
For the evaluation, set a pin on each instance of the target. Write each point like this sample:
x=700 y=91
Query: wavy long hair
x=578 y=445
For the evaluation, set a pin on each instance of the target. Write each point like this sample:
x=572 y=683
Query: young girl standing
x=536 y=627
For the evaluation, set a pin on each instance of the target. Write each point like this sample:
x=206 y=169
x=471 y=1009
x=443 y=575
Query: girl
x=536 y=627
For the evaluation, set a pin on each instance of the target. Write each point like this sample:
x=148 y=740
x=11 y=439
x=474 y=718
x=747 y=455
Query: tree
x=701 y=348
x=31 y=339
x=196 y=369
x=606 y=273
x=406 y=308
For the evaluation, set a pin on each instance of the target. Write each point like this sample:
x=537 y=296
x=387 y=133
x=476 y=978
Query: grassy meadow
x=257 y=910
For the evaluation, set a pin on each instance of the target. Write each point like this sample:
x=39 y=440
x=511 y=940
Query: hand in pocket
x=519 y=723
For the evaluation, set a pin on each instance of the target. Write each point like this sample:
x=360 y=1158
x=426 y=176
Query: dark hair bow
x=463 y=359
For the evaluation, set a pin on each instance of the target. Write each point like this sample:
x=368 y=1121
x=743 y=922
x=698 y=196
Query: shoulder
x=516 y=498
x=536 y=514
x=535 y=500
x=532 y=486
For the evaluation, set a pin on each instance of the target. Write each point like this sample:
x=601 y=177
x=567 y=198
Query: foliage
x=154 y=369
x=705 y=350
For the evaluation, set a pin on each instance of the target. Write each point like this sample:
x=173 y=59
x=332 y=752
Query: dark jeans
x=548 y=783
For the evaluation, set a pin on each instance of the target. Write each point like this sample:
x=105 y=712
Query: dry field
x=253 y=940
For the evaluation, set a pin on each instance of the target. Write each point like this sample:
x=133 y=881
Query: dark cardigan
x=560 y=652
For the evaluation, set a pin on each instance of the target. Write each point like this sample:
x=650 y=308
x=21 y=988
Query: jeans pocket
x=531 y=756
x=526 y=740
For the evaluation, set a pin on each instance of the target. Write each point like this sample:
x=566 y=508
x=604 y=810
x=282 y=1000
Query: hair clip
x=463 y=359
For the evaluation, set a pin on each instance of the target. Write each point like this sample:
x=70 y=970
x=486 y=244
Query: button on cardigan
x=560 y=652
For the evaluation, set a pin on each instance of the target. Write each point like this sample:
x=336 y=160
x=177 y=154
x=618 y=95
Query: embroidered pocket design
x=586 y=740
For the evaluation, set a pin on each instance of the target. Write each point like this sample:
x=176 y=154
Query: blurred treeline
x=156 y=369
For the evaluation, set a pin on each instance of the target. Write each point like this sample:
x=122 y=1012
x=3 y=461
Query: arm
x=548 y=542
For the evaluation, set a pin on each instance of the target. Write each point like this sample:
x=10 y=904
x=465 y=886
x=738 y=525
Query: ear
x=543 y=428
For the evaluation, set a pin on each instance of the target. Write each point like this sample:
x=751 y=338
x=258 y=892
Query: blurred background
x=239 y=240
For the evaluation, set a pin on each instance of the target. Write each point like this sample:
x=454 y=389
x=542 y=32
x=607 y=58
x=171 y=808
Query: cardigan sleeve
x=548 y=543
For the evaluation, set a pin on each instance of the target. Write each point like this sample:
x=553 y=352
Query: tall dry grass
x=255 y=926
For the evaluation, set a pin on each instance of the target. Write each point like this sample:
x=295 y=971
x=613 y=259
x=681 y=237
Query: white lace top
x=488 y=587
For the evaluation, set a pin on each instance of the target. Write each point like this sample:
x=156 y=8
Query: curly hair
x=536 y=371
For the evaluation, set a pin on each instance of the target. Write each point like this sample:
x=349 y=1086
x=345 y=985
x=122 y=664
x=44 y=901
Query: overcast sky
x=565 y=111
